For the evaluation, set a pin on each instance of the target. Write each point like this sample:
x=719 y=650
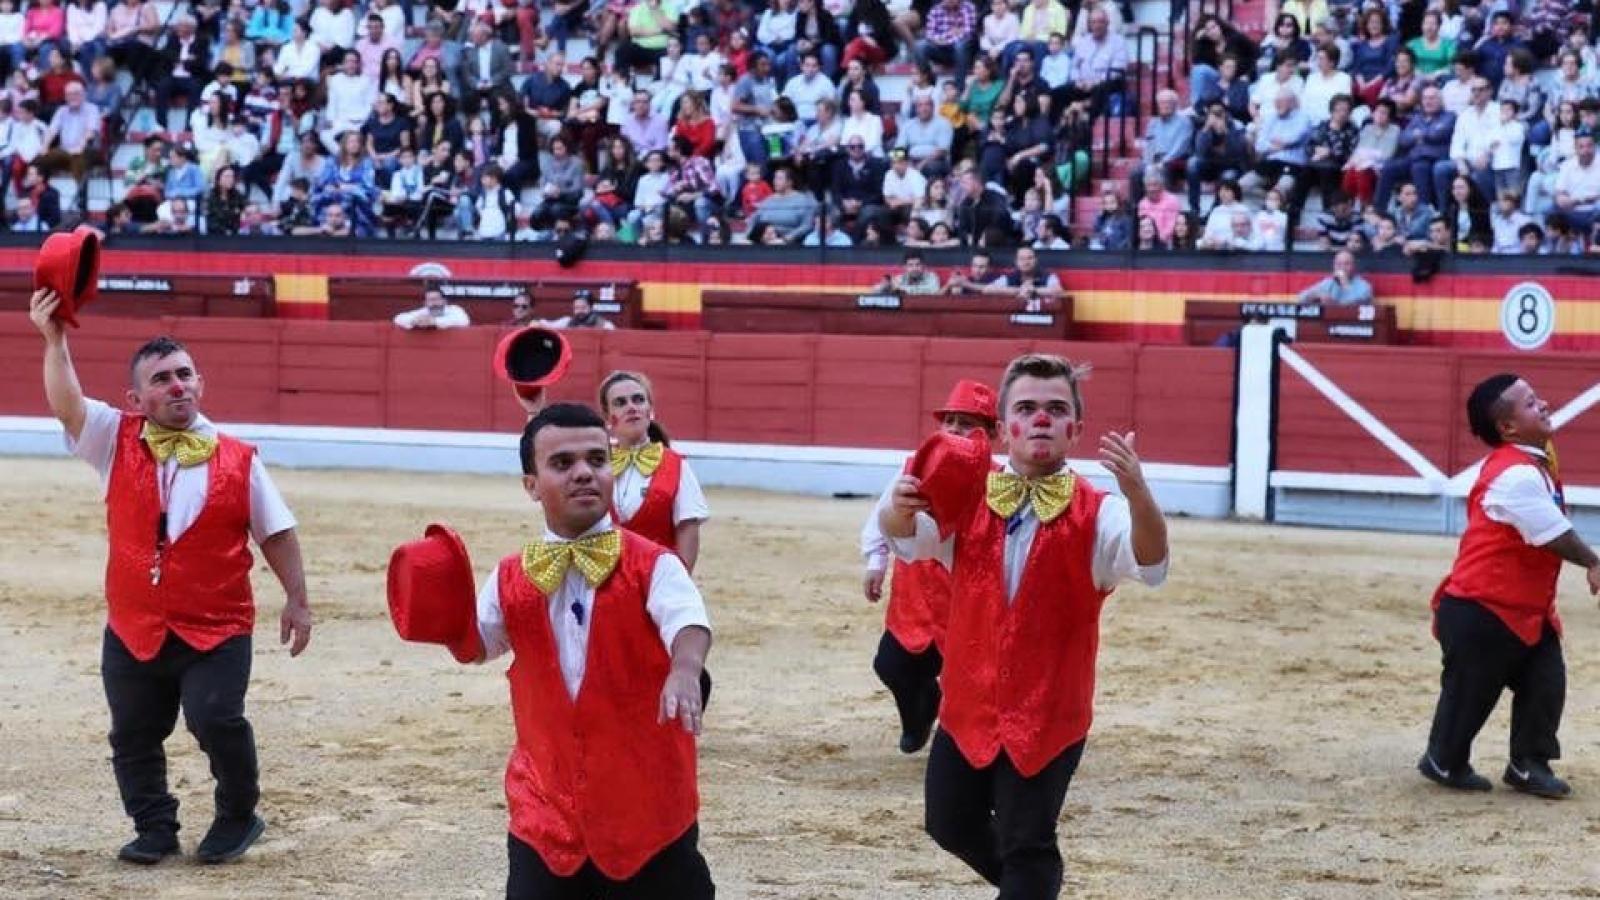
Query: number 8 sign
x=1528 y=316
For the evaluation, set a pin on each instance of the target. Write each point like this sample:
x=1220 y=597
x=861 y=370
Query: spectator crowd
x=1416 y=126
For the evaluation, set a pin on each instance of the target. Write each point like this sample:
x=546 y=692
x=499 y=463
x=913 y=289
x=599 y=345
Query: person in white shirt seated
x=436 y=313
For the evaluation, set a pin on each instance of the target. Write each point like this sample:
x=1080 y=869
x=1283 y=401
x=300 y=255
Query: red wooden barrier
x=820 y=390
x=1420 y=395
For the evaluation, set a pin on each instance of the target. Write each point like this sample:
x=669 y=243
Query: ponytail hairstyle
x=654 y=432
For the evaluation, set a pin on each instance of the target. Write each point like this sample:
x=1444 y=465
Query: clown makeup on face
x=567 y=461
x=1041 y=422
x=166 y=385
x=629 y=410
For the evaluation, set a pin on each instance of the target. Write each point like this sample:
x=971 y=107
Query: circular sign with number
x=1528 y=316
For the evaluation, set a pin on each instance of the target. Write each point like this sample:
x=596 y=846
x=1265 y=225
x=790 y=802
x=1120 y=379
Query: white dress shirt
x=1475 y=132
x=452 y=316
x=299 y=62
x=97 y=446
x=629 y=488
x=674 y=603
x=1524 y=497
x=1113 y=561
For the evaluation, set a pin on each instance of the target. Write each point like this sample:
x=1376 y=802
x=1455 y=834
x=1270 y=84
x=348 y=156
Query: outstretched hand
x=1118 y=456
x=1594 y=581
x=906 y=498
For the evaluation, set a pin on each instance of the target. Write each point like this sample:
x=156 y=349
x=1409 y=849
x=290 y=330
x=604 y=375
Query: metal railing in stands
x=125 y=114
x=1146 y=80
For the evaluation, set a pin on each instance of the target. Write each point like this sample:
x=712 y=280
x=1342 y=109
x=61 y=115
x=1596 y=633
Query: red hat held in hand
x=69 y=264
x=954 y=473
x=532 y=359
x=968 y=397
x=432 y=599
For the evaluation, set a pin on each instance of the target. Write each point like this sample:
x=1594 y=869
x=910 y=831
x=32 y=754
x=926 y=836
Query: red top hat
x=69 y=264
x=972 y=398
x=431 y=595
x=532 y=358
x=954 y=474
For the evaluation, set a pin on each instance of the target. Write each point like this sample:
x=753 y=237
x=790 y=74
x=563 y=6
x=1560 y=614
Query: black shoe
x=228 y=839
x=1464 y=779
x=1535 y=778
x=150 y=848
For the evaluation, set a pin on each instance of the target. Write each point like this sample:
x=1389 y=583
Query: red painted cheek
x=1016 y=430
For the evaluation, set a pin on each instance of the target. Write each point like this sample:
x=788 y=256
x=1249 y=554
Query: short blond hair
x=1045 y=366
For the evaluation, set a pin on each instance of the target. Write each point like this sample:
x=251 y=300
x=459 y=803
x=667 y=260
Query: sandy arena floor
x=1258 y=721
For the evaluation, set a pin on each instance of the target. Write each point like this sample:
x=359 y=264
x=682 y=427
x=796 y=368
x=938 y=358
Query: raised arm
x=1149 y=525
x=61 y=386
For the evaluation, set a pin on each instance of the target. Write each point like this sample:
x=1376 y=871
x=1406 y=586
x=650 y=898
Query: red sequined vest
x=595 y=778
x=1019 y=676
x=204 y=592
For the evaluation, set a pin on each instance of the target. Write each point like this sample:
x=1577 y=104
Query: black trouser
x=913 y=679
x=1482 y=657
x=678 y=872
x=145 y=697
x=998 y=822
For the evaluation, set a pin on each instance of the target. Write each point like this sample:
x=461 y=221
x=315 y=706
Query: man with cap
x=182 y=503
x=1033 y=552
x=908 y=659
x=583 y=314
x=1495 y=615
x=609 y=636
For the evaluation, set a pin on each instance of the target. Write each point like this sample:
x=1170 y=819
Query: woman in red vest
x=657 y=495
x=908 y=659
x=182 y=503
x=1032 y=558
x=601 y=786
x=1495 y=614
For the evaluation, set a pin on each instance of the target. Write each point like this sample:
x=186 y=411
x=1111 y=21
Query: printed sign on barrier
x=1528 y=316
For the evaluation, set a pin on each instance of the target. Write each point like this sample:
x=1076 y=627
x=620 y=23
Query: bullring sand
x=1258 y=719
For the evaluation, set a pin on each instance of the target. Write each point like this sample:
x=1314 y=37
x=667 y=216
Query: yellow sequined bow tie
x=646 y=458
x=1551 y=460
x=547 y=562
x=191 y=448
x=1049 y=495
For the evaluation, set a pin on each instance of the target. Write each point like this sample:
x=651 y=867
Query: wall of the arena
x=1117 y=297
x=1420 y=394
x=812 y=391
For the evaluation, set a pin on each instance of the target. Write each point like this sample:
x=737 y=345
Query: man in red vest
x=182 y=503
x=1031 y=564
x=908 y=659
x=1495 y=614
x=609 y=636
